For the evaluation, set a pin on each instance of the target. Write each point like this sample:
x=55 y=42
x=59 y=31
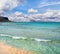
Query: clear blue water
x=40 y=30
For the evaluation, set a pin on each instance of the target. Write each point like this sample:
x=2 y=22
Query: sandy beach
x=5 y=49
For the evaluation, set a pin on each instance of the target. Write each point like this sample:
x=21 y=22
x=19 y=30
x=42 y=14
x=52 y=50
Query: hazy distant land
x=4 y=19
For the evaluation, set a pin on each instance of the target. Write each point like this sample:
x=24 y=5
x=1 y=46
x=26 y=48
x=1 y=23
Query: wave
x=5 y=35
x=16 y=37
x=41 y=40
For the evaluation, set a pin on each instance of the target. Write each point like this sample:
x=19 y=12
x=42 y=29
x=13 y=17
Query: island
x=4 y=19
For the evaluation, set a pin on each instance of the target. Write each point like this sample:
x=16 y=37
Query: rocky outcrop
x=4 y=19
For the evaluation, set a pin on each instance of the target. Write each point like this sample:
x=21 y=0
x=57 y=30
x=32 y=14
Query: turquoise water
x=10 y=32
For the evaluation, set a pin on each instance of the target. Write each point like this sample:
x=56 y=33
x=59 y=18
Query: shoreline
x=6 y=49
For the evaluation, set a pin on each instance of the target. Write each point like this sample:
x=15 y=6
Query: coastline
x=6 y=49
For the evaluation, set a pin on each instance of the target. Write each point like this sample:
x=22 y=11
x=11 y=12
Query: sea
x=40 y=37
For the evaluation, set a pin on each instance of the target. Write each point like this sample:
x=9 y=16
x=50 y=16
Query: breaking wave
x=16 y=37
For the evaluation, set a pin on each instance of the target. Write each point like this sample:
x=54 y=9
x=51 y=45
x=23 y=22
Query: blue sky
x=31 y=10
x=40 y=5
x=35 y=4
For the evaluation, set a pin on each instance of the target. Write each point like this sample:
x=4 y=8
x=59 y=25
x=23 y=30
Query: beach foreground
x=30 y=37
x=5 y=49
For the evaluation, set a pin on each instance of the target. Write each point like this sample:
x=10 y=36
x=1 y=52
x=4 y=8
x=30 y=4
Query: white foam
x=41 y=40
x=4 y=35
x=15 y=37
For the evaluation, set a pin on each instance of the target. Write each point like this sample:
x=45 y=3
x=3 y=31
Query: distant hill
x=4 y=19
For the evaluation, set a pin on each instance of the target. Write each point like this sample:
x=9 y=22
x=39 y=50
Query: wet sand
x=6 y=49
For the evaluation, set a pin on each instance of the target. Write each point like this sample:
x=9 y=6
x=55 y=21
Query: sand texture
x=5 y=49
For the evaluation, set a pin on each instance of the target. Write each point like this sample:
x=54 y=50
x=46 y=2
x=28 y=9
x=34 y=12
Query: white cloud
x=19 y=17
x=32 y=10
x=6 y=5
x=49 y=15
x=48 y=4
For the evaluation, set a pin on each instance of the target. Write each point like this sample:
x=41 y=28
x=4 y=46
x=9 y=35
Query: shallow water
x=39 y=30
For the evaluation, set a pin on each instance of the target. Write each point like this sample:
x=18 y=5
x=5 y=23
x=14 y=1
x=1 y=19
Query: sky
x=31 y=10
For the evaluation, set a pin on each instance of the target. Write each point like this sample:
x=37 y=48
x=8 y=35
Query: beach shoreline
x=6 y=49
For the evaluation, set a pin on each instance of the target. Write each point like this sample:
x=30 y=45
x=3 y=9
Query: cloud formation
x=32 y=10
x=49 y=15
x=6 y=5
x=19 y=17
x=32 y=15
x=44 y=4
